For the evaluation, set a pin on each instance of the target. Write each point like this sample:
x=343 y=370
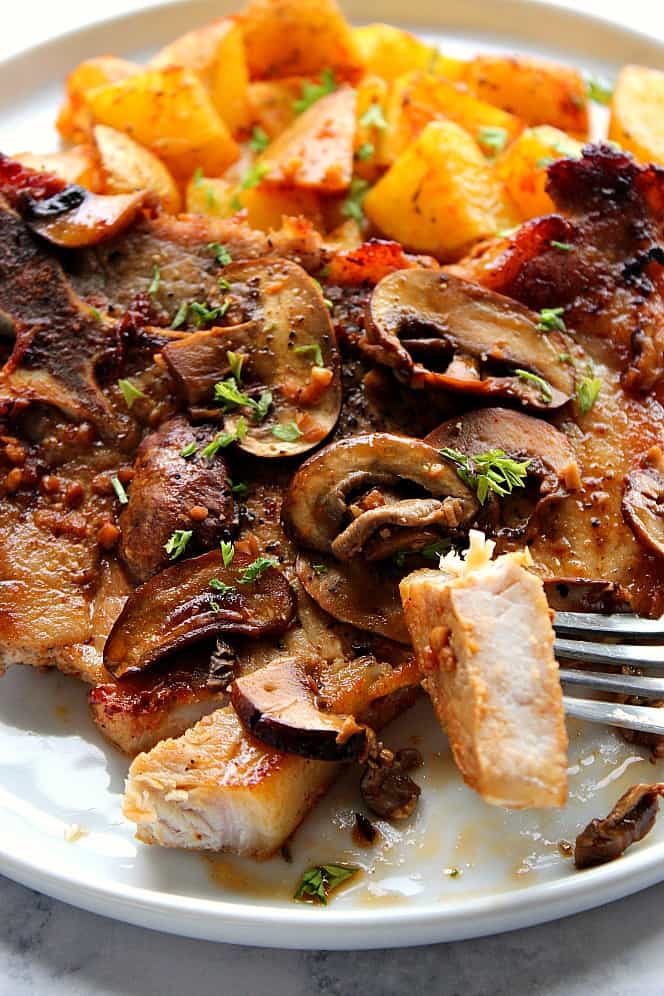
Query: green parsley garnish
x=235 y=362
x=96 y=313
x=544 y=162
x=211 y=201
x=313 y=350
x=587 y=392
x=221 y=253
x=156 y=280
x=223 y=284
x=188 y=450
x=436 y=550
x=352 y=206
x=564 y=357
x=326 y=300
x=129 y=392
x=319 y=569
x=319 y=882
x=240 y=489
x=490 y=471
x=493 y=138
x=235 y=204
x=373 y=117
x=262 y=406
x=227 y=552
x=177 y=544
x=365 y=151
x=223 y=589
x=543 y=385
x=203 y=313
x=215 y=606
x=563 y=246
x=254 y=571
x=598 y=90
x=550 y=318
x=254 y=175
x=311 y=92
x=181 y=316
x=288 y=432
x=230 y=396
x=119 y=490
x=259 y=140
x=198 y=176
x=224 y=439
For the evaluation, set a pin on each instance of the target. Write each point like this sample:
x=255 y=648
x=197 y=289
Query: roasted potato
x=171 y=113
x=75 y=119
x=128 y=166
x=536 y=90
x=298 y=38
x=264 y=207
x=417 y=98
x=210 y=195
x=441 y=195
x=370 y=127
x=389 y=52
x=522 y=168
x=76 y=165
x=273 y=103
x=637 y=113
x=215 y=53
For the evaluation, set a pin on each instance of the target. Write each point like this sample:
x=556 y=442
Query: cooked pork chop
x=482 y=633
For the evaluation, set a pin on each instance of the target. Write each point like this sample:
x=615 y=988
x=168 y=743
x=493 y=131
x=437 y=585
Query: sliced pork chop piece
x=482 y=633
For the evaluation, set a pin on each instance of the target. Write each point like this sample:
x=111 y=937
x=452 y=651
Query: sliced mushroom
x=551 y=467
x=643 y=502
x=200 y=360
x=179 y=606
x=387 y=788
x=278 y=705
x=632 y=817
x=438 y=331
x=364 y=595
x=585 y=595
x=321 y=513
x=169 y=492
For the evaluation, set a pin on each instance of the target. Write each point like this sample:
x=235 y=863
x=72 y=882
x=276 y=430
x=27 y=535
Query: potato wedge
x=637 y=113
x=75 y=119
x=536 y=90
x=273 y=103
x=417 y=98
x=389 y=52
x=441 y=195
x=171 y=113
x=298 y=38
x=522 y=167
x=316 y=151
x=76 y=165
x=128 y=166
x=215 y=53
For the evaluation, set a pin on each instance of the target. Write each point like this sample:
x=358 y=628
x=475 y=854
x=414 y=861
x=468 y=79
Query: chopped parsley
x=564 y=357
x=227 y=552
x=153 y=289
x=181 y=316
x=319 y=569
x=254 y=175
x=543 y=385
x=221 y=253
x=259 y=141
x=493 y=138
x=224 y=439
x=490 y=471
x=211 y=201
x=223 y=589
x=598 y=90
x=313 y=350
x=326 y=300
x=188 y=450
x=255 y=570
x=203 y=313
x=352 y=206
x=215 y=606
x=587 y=393
x=229 y=394
x=436 y=550
x=373 y=117
x=198 y=176
x=365 y=151
x=550 y=319
x=319 y=882
x=129 y=392
x=235 y=362
x=240 y=488
x=262 y=406
x=311 y=92
x=563 y=246
x=287 y=432
x=119 y=490
x=96 y=313
x=177 y=544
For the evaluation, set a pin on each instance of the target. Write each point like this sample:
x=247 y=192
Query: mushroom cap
x=643 y=503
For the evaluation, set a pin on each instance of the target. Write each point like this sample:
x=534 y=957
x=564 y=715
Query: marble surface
x=48 y=947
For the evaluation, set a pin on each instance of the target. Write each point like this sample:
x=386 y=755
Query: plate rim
x=326 y=928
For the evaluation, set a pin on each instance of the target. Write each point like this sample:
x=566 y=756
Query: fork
x=623 y=648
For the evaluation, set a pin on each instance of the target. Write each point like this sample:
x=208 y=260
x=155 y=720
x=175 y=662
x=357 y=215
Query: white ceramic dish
x=55 y=771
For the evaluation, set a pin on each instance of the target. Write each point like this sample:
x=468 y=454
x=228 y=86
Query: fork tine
x=610 y=653
x=626 y=684
x=647 y=719
x=625 y=625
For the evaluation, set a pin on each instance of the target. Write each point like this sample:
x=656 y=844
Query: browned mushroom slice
x=643 y=502
x=173 y=489
x=552 y=466
x=321 y=513
x=364 y=595
x=632 y=817
x=194 y=599
x=585 y=595
x=387 y=788
x=200 y=360
x=77 y=218
x=278 y=705
x=434 y=330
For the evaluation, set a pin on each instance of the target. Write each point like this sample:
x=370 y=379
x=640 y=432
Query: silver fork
x=628 y=641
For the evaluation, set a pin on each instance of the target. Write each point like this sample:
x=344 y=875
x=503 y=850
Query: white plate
x=56 y=771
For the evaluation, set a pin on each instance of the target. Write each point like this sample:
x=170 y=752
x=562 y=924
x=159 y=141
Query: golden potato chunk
x=370 y=127
x=128 y=166
x=441 y=195
x=298 y=38
x=216 y=54
x=171 y=113
x=536 y=90
x=523 y=167
x=265 y=207
x=75 y=118
x=273 y=103
x=389 y=52
x=637 y=113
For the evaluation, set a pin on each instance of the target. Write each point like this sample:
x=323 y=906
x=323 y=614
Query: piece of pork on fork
x=483 y=637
